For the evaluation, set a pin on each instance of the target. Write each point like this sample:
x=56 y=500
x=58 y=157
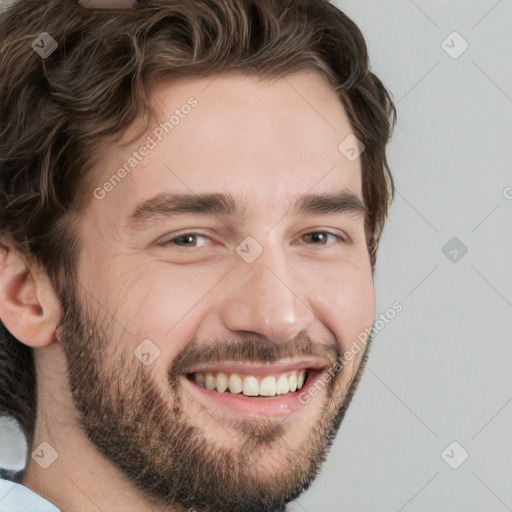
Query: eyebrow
x=224 y=204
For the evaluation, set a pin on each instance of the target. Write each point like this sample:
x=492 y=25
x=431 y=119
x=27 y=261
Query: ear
x=29 y=308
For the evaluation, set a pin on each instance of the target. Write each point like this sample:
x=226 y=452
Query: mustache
x=252 y=350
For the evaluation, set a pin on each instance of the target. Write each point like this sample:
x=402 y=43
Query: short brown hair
x=56 y=112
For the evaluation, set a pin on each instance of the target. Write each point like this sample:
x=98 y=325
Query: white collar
x=15 y=497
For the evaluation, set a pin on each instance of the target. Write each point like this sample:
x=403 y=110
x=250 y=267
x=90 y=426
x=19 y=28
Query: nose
x=268 y=297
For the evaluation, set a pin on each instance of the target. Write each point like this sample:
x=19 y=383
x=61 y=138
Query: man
x=192 y=196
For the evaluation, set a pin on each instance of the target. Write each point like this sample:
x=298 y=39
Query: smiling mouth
x=254 y=386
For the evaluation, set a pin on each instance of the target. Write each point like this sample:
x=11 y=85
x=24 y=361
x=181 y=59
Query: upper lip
x=263 y=369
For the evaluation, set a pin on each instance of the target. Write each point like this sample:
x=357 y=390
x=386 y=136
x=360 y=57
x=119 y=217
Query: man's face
x=258 y=294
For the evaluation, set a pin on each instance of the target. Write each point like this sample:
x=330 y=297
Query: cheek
x=161 y=303
x=346 y=304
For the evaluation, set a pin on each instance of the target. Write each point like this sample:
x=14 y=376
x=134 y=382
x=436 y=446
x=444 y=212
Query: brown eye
x=183 y=240
x=321 y=237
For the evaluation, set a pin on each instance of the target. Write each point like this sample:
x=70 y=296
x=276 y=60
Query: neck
x=80 y=478
x=65 y=467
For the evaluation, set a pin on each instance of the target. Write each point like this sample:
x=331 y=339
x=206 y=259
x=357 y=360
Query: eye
x=183 y=240
x=322 y=239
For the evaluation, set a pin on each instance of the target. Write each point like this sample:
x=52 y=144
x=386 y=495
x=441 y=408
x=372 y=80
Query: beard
x=144 y=430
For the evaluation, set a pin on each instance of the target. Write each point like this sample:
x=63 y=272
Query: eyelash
x=170 y=241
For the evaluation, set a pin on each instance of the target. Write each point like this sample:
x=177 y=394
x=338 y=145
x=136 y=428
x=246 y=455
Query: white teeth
x=282 y=385
x=210 y=381
x=250 y=385
x=300 y=379
x=268 y=386
x=292 y=382
x=222 y=382
x=235 y=383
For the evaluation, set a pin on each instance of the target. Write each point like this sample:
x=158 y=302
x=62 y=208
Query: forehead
x=263 y=141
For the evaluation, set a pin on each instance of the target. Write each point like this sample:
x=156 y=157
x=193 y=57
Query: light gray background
x=440 y=371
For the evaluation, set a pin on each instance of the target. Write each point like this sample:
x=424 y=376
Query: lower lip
x=279 y=405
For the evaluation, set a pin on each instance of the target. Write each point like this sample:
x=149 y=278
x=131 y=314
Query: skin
x=106 y=414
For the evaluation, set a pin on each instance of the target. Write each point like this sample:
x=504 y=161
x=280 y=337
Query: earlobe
x=28 y=306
